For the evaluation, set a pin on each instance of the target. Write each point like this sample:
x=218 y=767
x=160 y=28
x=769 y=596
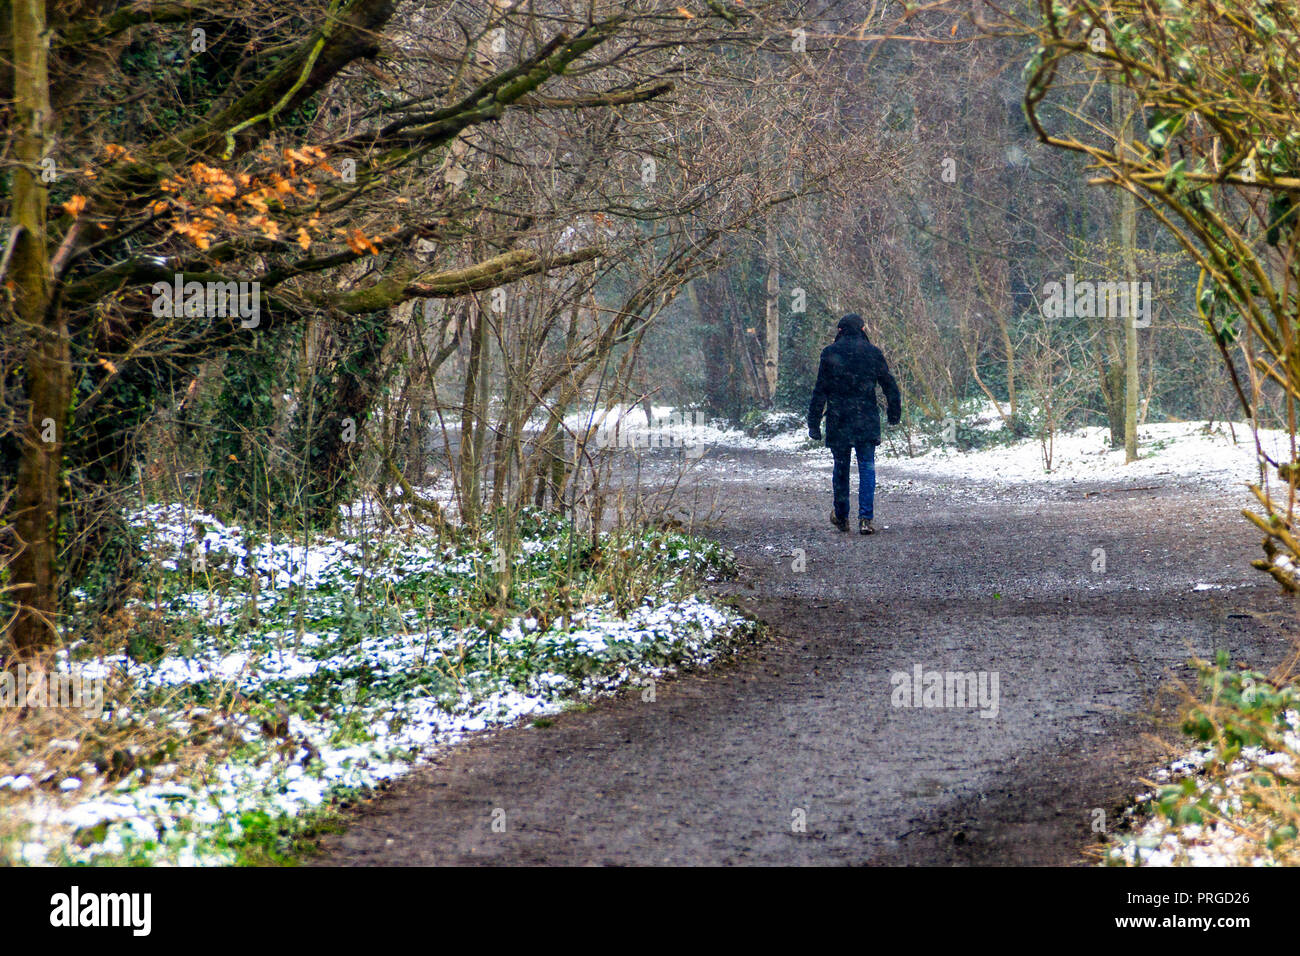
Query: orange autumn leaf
x=358 y=242
x=74 y=206
x=196 y=232
x=686 y=13
x=304 y=239
x=204 y=173
x=114 y=151
x=221 y=192
x=270 y=228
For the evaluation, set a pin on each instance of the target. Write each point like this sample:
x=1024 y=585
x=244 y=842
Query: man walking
x=851 y=368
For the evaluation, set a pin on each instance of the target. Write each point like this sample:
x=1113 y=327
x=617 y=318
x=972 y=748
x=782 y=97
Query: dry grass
x=117 y=732
x=1242 y=805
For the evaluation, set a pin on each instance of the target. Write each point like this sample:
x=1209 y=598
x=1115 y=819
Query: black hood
x=851 y=324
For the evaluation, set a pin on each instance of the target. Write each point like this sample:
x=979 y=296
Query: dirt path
x=721 y=764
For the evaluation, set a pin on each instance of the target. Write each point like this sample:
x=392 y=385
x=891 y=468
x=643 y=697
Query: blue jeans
x=866 y=479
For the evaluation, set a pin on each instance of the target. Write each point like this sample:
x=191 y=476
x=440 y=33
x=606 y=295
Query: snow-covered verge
x=262 y=682
x=976 y=445
x=664 y=426
x=1194 y=451
x=1235 y=799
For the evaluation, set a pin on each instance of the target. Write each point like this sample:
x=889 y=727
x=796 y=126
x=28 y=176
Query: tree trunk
x=469 y=457
x=337 y=413
x=45 y=345
x=716 y=347
x=743 y=348
x=1010 y=351
x=772 y=326
x=1122 y=107
x=1113 y=393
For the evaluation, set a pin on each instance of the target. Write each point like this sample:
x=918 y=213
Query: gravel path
x=722 y=766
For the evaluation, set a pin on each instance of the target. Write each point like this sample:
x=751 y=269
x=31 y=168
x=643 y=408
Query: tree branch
x=487 y=274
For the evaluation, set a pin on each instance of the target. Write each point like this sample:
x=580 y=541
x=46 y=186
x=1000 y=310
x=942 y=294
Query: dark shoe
x=865 y=526
x=840 y=523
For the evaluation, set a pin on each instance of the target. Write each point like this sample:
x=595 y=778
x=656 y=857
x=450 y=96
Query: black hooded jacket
x=850 y=369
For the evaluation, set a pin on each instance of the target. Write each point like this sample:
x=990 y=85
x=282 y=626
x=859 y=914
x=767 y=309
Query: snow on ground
x=361 y=704
x=1221 y=828
x=1222 y=453
x=624 y=426
x=1177 y=449
x=183 y=820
